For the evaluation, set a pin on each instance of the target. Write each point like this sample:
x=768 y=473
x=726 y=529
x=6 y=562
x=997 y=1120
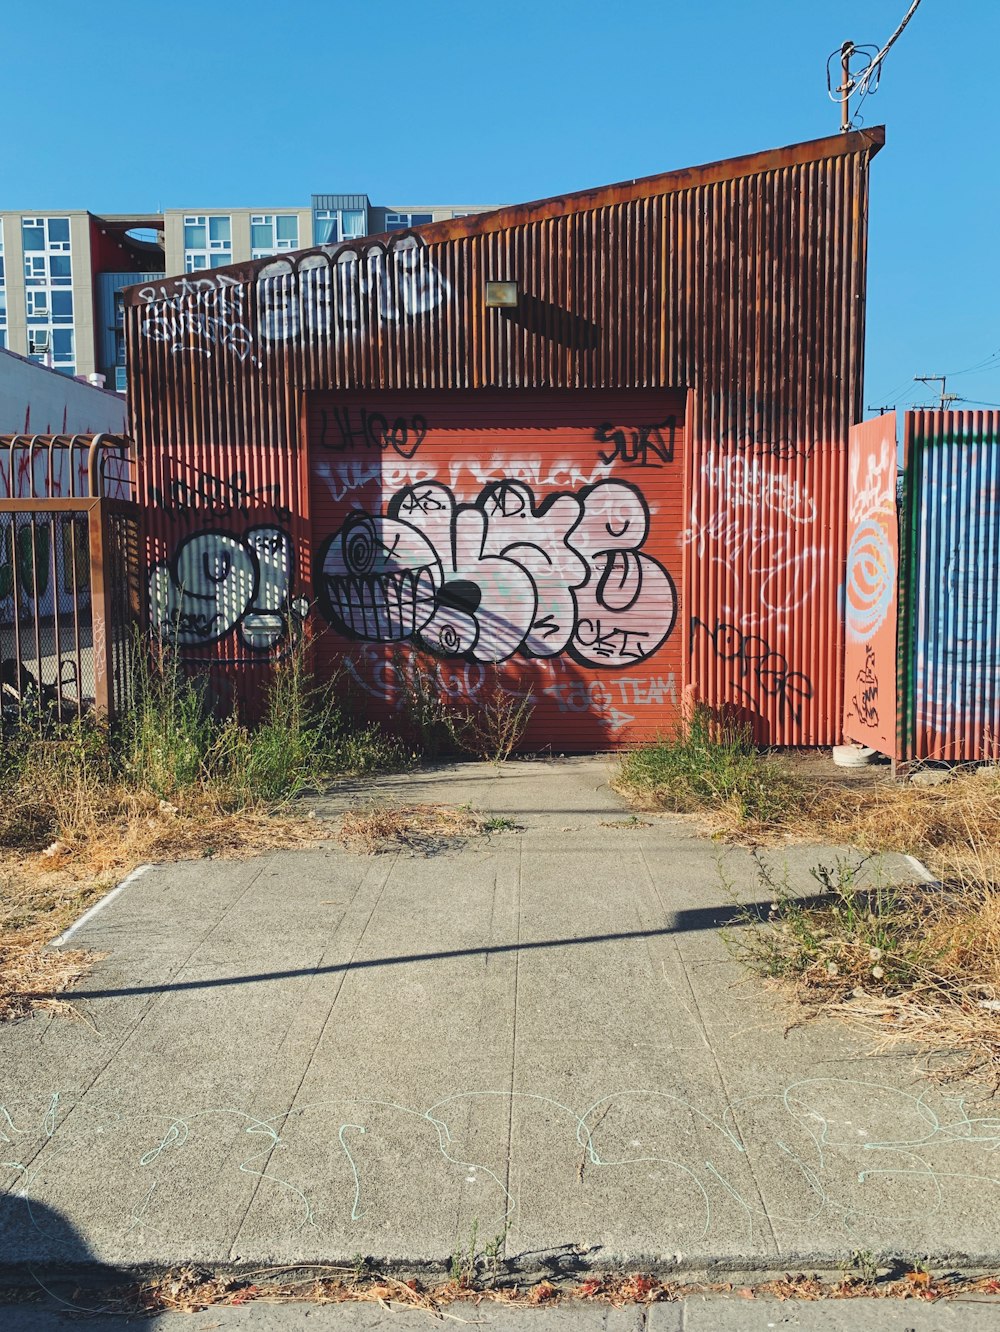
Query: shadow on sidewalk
x=698 y=918
x=49 y=1278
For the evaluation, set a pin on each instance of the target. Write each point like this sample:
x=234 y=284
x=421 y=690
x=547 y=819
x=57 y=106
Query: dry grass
x=953 y=828
x=425 y=828
x=918 y=965
x=190 y=1290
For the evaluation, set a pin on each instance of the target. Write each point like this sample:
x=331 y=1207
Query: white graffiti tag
x=217 y=583
x=502 y=575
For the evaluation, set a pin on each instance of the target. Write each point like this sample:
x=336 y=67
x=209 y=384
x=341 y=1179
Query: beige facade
x=38 y=317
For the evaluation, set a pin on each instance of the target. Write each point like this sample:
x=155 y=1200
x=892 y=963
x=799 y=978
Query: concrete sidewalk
x=713 y=1313
x=535 y=1045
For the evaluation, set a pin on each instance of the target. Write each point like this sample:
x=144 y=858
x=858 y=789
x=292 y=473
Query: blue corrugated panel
x=954 y=581
x=111 y=343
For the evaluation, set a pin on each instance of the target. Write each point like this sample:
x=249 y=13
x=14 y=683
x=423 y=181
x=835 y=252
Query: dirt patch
x=421 y=829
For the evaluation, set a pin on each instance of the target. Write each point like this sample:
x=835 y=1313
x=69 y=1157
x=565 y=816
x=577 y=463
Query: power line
x=867 y=81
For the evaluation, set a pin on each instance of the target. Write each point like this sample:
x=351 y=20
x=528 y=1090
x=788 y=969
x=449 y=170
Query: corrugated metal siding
x=521 y=543
x=871 y=598
x=743 y=281
x=952 y=585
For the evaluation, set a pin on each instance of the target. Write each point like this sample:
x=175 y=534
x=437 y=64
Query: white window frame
x=211 y=247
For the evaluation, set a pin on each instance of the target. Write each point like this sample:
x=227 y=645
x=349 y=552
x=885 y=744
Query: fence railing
x=70 y=551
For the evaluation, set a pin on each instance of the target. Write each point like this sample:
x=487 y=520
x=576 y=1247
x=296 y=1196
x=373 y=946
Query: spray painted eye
x=360 y=543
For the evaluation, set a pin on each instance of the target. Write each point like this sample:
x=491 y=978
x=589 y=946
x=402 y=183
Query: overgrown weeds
x=708 y=766
x=917 y=964
x=490 y=727
x=714 y=771
x=848 y=937
x=81 y=803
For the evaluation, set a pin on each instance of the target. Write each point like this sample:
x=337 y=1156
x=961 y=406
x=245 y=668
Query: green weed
x=846 y=938
x=708 y=765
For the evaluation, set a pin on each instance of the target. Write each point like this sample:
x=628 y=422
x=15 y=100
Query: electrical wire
x=868 y=80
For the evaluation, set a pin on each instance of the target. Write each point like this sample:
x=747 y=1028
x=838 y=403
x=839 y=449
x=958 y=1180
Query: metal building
x=593 y=449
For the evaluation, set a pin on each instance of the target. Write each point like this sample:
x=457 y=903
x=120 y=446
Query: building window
x=273 y=232
x=62 y=307
x=37 y=303
x=401 y=221
x=208 y=242
x=48 y=275
x=62 y=346
x=335 y=224
x=326 y=225
x=45 y=233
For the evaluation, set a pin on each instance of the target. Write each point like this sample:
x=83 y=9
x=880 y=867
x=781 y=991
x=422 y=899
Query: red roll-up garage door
x=505 y=544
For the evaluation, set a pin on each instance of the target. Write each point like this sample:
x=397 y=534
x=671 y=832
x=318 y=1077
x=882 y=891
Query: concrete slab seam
x=262 y=1174
x=106 y=900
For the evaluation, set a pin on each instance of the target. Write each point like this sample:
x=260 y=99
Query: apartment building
x=62 y=272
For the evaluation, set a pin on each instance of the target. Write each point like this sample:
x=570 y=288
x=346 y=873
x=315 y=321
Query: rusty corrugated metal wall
x=742 y=282
x=949 y=659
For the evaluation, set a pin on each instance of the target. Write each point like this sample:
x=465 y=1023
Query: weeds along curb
x=156 y=1288
x=106 y=900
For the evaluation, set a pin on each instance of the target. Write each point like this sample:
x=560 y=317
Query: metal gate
x=69 y=573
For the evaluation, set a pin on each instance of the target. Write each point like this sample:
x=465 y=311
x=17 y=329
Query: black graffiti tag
x=866 y=706
x=756 y=660
x=231 y=494
x=644 y=446
x=371 y=430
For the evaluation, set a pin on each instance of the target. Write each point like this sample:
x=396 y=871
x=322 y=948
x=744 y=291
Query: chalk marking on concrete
x=66 y=935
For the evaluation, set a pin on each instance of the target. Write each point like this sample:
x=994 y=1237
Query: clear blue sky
x=118 y=107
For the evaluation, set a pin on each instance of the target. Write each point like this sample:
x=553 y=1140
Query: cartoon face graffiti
x=380 y=579
x=502 y=575
x=217 y=583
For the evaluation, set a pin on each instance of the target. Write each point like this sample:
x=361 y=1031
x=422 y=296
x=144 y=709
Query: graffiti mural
x=865 y=700
x=347 y=286
x=218 y=583
x=870 y=590
x=502 y=575
x=330 y=293
x=871 y=558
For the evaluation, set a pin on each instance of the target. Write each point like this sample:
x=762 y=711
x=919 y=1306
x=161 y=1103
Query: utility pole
x=880 y=410
x=846 y=86
x=943 y=381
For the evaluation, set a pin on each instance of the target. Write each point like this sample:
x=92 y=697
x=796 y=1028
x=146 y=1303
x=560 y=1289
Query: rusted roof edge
x=868 y=141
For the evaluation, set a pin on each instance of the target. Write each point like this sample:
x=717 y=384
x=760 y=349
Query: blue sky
x=218 y=103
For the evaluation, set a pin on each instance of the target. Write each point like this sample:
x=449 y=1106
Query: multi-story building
x=62 y=272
